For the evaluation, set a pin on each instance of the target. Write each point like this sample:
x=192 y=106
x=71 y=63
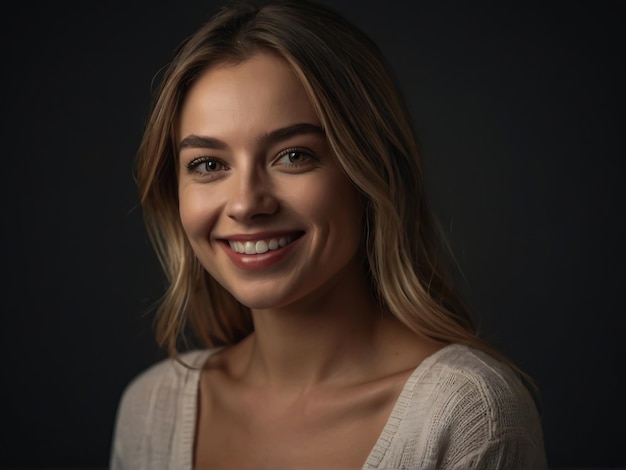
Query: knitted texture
x=460 y=409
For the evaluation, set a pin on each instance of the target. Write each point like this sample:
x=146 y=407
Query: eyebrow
x=200 y=141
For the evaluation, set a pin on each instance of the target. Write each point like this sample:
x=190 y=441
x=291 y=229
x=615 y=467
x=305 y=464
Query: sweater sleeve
x=462 y=409
x=146 y=406
x=514 y=452
x=492 y=423
x=156 y=416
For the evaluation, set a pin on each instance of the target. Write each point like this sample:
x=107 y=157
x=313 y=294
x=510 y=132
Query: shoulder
x=151 y=404
x=479 y=412
x=462 y=369
x=473 y=376
x=159 y=385
x=165 y=376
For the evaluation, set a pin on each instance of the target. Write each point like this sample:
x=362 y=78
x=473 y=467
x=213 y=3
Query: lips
x=257 y=247
x=261 y=250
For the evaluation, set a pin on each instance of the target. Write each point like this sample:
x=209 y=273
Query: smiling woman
x=282 y=185
x=271 y=181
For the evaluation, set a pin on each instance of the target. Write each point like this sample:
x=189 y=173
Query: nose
x=251 y=196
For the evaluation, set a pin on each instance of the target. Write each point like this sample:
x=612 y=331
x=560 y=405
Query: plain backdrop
x=520 y=111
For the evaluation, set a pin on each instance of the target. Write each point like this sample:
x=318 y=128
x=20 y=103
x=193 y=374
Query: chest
x=328 y=432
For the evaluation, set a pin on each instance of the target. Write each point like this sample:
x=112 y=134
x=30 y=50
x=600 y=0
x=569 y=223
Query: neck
x=319 y=339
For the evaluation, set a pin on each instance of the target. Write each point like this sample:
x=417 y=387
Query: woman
x=282 y=185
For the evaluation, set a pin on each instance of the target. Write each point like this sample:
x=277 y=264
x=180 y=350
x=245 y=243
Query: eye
x=205 y=165
x=295 y=158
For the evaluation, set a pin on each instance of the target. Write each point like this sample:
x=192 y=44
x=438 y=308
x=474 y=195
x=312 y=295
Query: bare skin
x=332 y=424
x=315 y=383
x=319 y=399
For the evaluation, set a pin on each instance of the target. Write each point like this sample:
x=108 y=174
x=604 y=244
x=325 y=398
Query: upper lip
x=245 y=237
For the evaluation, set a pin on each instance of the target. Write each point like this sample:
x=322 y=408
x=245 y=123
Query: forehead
x=262 y=90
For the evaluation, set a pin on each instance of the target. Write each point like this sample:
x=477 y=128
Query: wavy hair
x=368 y=127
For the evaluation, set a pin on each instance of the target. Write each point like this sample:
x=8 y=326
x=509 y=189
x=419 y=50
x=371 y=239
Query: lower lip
x=261 y=261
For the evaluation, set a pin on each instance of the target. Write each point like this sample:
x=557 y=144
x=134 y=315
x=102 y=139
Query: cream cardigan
x=460 y=409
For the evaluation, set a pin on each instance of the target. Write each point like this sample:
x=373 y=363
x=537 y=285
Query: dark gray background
x=520 y=109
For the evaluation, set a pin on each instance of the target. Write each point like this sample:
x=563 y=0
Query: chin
x=261 y=300
x=257 y=304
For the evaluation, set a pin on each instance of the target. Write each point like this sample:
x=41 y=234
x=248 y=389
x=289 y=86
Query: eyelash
x=193 y=165
x=309 y=156
x=196 y=162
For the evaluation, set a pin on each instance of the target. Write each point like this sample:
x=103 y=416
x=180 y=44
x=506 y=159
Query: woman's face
x=263 y=201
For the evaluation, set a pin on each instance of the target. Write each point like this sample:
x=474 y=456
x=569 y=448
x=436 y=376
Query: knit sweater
x=459 y=409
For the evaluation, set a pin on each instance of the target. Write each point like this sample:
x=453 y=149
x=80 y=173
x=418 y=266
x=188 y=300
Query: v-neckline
x=184 y=448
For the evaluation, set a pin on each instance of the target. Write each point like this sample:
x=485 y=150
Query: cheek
x=337 y=205
x=197 y=213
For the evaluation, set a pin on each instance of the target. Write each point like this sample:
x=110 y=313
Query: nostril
x=246 y=207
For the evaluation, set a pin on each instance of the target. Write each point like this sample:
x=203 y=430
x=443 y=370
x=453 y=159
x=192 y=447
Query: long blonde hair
x=369 y=129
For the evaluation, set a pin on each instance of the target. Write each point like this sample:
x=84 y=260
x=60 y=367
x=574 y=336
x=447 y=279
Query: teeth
x=260 y=246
